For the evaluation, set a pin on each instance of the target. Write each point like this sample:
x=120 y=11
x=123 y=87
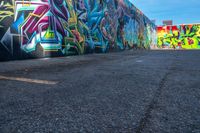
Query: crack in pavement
x=147 y=116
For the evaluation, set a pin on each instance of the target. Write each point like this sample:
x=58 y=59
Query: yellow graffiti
x=26 y=3
x=7 y=12
x=50 y=34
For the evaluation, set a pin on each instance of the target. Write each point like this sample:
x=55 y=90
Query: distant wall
x=38 y=28
x=179 y=37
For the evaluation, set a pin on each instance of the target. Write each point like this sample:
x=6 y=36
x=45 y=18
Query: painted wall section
x=179 y=37
x=38 y=28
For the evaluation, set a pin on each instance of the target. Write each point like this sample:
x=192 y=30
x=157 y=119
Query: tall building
x=167 y=22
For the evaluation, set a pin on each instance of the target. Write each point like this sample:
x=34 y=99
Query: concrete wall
x=179 y=36
x=38 y=28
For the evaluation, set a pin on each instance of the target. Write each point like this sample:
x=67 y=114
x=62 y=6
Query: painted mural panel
x=39 y=28
x=179 y=37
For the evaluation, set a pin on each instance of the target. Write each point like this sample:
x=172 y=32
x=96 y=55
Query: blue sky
x=180 y=11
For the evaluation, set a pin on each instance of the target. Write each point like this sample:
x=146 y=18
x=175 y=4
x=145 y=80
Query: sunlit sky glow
x=180 y=11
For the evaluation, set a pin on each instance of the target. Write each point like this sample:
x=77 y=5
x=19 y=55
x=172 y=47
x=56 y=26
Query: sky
x=180 y=11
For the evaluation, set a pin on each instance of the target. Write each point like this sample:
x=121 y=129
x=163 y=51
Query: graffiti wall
x=179 y=37
x=39 y=28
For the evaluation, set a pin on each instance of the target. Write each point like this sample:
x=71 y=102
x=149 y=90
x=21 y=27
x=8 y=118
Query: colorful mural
x=179 y=37
x=39 y=28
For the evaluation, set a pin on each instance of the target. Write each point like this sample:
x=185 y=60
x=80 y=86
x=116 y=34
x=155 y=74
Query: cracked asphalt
x=132 y=91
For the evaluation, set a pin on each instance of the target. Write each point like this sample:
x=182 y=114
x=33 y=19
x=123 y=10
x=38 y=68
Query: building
x=167 y=22
x=40 y=28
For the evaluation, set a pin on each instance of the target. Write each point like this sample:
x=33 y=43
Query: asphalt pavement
x=132 y=91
